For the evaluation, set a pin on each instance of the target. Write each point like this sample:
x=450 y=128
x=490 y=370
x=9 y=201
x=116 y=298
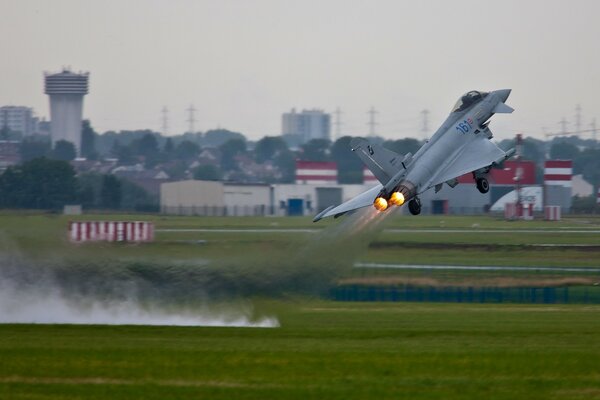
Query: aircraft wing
x=478 y=153
x=362 y=200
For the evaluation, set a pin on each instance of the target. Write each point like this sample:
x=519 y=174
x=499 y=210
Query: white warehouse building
x=230 y=199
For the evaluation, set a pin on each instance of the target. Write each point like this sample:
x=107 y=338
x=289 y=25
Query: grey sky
x=243 y=63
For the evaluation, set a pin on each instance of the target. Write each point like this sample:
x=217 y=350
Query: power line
x=372 y=122
x=577 y=117
x=338 y=123
x=165 y=120
x=563 y=123
x=572 y=132
x=191 y=120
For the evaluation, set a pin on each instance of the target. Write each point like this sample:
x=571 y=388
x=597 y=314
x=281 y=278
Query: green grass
x=43 y=238
x=323 y=350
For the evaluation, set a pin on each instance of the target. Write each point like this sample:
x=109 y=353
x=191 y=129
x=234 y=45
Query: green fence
x=527 y=295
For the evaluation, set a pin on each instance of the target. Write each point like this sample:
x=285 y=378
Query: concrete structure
x=192 y=198
x=210 y=198
x=558 y=186
x=231 y=199
x=307 y=125
x=66 y=90
x=18 y=119
x=581 y=187
x=247 y=200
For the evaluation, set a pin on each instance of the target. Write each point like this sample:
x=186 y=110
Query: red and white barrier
x=552 y=213
x=518 y=211
x=111 y=231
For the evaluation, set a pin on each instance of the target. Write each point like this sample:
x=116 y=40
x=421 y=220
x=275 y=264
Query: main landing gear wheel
x=414 y=206
x=483 y=185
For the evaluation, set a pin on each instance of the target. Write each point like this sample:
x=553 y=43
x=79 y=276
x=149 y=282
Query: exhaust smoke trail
x=180 y=292
x=84 y=295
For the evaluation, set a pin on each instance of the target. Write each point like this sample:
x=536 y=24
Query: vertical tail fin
x=383 y=163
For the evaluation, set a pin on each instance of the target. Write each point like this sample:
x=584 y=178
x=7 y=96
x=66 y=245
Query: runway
x=475 y=268
x=392 y=230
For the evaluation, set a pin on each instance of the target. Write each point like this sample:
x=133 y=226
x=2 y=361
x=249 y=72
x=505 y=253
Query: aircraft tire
x=414 y=206
x=483 y=185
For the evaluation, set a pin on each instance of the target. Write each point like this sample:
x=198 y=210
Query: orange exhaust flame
x=380 y=204
x=397 y=199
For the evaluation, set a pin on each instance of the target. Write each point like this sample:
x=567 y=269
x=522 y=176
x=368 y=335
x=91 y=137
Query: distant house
x=149 y=180
x=9 y=153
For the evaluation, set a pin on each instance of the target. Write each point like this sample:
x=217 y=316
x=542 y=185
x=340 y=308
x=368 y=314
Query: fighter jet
x=461 y=145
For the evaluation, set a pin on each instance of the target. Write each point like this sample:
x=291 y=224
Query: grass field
x=322 y=349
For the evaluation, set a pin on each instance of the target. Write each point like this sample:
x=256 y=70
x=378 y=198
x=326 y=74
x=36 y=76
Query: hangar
x=209 y=198
x=316 y=188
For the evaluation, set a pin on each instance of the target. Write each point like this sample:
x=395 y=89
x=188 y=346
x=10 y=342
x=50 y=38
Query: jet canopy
x=467 y=100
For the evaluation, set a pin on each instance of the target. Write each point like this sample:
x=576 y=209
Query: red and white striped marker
x=558 y=172
x=552 y=213
x=111 y=231
x=313 y=172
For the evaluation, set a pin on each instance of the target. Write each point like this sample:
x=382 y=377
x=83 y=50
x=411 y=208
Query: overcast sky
x=243 y=63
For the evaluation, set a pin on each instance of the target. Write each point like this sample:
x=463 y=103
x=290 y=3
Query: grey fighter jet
x=461 y=145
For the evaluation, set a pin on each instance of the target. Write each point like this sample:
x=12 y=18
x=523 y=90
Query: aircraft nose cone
x=503 y=94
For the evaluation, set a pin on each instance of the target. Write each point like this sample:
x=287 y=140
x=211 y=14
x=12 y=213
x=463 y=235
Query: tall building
x=66 y=90
x=306 y=125
x=18 y=119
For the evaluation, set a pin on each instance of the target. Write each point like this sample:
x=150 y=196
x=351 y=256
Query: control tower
x=66 y=90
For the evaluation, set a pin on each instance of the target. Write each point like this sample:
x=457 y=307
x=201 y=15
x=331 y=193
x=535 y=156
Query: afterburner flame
x=380 y=204
x=397 y=199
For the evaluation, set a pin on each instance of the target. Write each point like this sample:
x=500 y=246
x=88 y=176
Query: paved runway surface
x=474 y=267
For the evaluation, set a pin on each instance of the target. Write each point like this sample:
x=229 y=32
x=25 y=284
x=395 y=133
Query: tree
x=4 y=133
x=563 y=151
x=218 y=137
x=285 y=161
x=350 y=167
x=207 y=172
x=88 y=141
x=187 y=150
x=316 y=150
x=39 y=183
x=134 y=197
x=64 y=150
x=34 y=147
x=169 y=147
x=403 y=146
x=229 y=150
x=123 y=153
x=110 y=193
x=267 y=147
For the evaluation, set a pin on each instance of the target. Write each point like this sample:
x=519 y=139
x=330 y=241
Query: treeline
x=225 y=155
x=47 y=184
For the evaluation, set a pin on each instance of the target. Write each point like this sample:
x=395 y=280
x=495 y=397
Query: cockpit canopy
x=467 y=100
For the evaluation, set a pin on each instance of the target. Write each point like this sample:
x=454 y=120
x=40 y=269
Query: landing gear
x=483 y=185
x=414 y=206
